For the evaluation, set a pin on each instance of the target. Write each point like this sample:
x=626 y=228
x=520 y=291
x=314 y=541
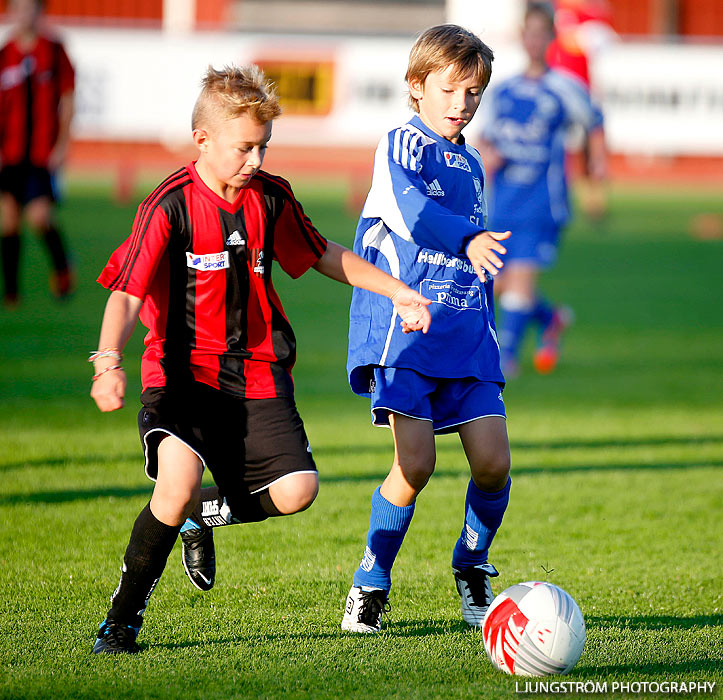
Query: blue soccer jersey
x=527 y=119
x=425 y=204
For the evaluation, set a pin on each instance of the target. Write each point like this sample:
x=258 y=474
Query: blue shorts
x=531 y=245
x=447 y=403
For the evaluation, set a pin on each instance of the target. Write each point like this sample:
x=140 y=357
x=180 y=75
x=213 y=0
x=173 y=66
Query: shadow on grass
x=425 y=628
x=407 y=628
x=632 y=442
x=653 y=622
x=447 y=445
x=440 y=627
x=42 y=462
x=442 y=447
x=71 y=495
x=527 y=471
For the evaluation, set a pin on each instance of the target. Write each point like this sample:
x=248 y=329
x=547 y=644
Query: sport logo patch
x=452 y=294
x=456 y=160
x=208 y=261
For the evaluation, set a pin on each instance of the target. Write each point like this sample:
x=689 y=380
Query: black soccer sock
x=54 y=242
x=150 y=544
x=10 y=253
x=214 y=511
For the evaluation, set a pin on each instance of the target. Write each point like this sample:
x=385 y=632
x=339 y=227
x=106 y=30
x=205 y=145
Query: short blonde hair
x=232 y=91
x=449 y=45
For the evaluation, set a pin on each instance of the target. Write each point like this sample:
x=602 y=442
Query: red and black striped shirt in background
x=31 y=85
x=203 y=268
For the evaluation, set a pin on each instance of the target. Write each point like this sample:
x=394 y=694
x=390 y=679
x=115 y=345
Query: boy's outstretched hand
x=482 y=252
x=412 y=309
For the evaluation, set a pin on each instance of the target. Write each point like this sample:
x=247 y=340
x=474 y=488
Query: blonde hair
x=233 y=91
x=449 y=45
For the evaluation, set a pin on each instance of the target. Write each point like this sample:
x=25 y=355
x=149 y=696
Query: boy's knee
x=299 y=501
x=295 y=493
x=184 y=500
x=10 y=214
x=39 y=215
x=417 y=470
x=39 y=221
x=492 y=474
x=174 y=505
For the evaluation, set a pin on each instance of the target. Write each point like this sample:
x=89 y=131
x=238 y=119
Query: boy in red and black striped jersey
x=216 y=372
x=36 y=108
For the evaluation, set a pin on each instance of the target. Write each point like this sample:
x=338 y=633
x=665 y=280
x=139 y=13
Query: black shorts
x=26 y=182
x=248 y=444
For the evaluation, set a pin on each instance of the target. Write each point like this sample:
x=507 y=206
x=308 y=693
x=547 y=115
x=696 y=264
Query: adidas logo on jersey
x=434 y=189
x=235 y=239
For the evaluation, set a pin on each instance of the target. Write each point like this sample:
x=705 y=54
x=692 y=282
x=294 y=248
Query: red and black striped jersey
x=31 y=85
x=203 y=266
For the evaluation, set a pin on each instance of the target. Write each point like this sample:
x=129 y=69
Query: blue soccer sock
x=543 y=312
x=517 y=312
x=387 y=526
x=483 y=516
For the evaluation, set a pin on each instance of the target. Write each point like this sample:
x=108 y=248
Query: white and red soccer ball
x=534 y=629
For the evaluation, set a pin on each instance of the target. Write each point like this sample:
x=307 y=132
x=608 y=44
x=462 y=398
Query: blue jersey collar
x=416 y=122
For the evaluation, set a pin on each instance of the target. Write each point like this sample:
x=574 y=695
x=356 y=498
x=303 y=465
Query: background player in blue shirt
x=424 y=223
x=526 y=120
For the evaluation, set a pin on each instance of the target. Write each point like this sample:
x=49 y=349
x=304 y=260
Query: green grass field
x=617 y=490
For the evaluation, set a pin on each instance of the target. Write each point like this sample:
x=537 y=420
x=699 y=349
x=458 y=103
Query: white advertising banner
x=134 y=85
x=662 y=99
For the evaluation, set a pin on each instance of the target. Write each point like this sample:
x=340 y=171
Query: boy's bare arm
x=119 y=320
x=482 y=252
x=343 y=265
x=597 y=154
x=59 y=153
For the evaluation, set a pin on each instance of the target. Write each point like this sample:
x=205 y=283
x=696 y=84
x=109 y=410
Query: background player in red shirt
x=216 y=371
x=583 y=30
x=36 y=108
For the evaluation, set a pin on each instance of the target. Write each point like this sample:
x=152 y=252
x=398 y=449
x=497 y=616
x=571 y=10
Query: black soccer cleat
x=475 y=592
x=199 y=557
x=116 y=638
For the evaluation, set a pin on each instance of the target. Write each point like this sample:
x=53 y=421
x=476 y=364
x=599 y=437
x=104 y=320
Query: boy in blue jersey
x=526 y=119
x=424 y=223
